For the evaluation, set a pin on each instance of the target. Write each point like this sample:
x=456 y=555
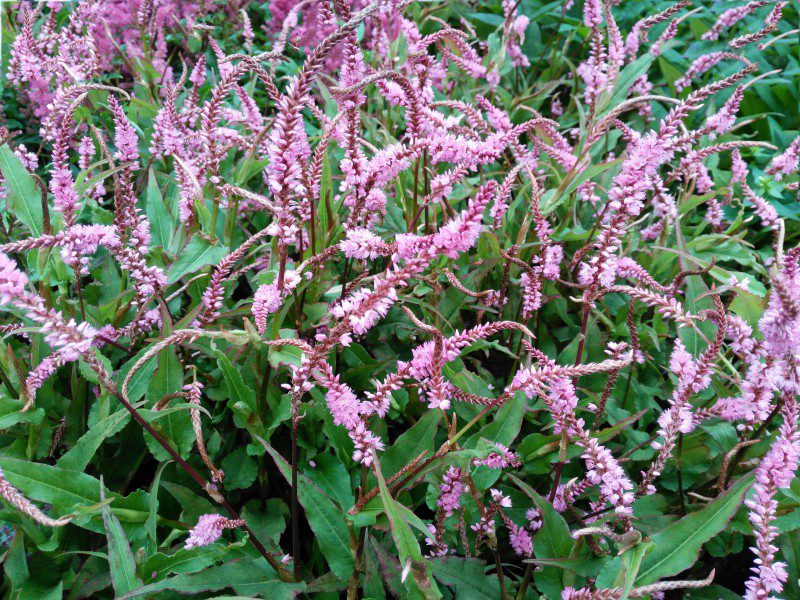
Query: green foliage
x=363 y=529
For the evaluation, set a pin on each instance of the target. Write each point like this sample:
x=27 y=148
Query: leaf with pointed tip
x=161 y=223
x=196 y=255
x=120 y=557
x=325 y=518
x=506 y=424
x=677 y=546
x=245 y=576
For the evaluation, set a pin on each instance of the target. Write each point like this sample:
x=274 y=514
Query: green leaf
x=15 y=564
x=197 y=254
x=267 y=520
x=506 y=424
x=624 y=82
x=82 y=184
x=467 y=576
x=552 y=200
x=192 y=504
x=677 y=547
x=189 y=560
x=161 y=222
x=33 y=589
x=246 y=577
x=247 y=168
x=152 y=517
x=60 y=487
x=239 y=395
x=120 y=557
x=789 y=543
x=551 y=541
x=141 y=378
x=587 y=566
x=174 y=424
x=25 y=198
x=240 y=470
x=326 y=520
x=161 y=375
x=331 y=475
x=554 y=540
x=168 y=377
x=407 y=545
x=79 y=456
x=489 y=18
x=632 y=561
x=11 y=412
x=68 y=491
x=411 y=443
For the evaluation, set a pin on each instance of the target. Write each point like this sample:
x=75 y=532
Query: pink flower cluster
x=209 y=529
x=450 y=491
x=775 y=471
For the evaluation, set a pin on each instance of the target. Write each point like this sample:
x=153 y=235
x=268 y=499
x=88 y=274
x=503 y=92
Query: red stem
x=210 y=490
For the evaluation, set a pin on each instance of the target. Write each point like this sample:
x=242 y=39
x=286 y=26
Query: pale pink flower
x=499 y=459
x=521 y=541
x=786 y=163
x=531 y=286
x=209 y=529
x=12 y=280
x=366 y=444
x=732 y=16
x=738 y=168
x=500 y=498
x=775 y=471
x=592 y=13
x=451 y=491
x=534 y=517
x=460 y=234
x=362 y=244
x=722 y=120
x=125 y=138
x=268 y=298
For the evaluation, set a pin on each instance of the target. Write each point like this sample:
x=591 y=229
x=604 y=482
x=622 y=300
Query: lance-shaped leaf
x=120 y=557
x=676 y=547
x=326 y=520
x=26 y=198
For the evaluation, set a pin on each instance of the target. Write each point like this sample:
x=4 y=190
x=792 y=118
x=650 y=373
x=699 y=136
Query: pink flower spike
x=12 y=280
x=534 y=517
x=362 y=244
x=451 y=491
x=209 y=529
x=787 y=162
x=500 y=459
x=125 y=138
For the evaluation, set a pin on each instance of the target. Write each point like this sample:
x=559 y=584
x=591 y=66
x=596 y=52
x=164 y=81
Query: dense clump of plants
x=395 y=299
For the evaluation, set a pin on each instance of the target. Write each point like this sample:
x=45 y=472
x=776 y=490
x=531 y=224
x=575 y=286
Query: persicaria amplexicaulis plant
x=396 y=299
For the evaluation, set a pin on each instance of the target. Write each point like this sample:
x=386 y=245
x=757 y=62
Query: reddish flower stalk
x=693 y=377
